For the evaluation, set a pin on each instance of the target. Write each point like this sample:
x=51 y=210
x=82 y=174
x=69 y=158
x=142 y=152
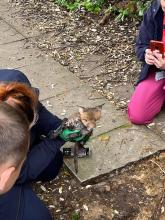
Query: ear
x=81 y=109
x=5 y=176
x=99 y=107
x=98 y=115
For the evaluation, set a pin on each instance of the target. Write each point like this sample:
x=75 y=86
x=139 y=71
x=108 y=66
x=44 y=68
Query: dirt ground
x=134 y=192
x=104 y=57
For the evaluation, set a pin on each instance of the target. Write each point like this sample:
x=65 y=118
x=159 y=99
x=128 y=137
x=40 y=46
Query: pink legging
x=147 y=100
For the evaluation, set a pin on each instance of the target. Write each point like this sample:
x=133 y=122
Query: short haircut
x=14 y=135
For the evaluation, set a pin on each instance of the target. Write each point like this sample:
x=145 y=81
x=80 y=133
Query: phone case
x=157 y=45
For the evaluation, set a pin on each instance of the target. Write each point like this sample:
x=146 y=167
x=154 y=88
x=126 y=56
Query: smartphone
x=157 y=45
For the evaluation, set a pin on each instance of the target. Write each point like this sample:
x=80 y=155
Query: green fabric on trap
x=65 y=135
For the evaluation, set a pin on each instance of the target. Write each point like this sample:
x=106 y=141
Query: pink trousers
x=147 y=100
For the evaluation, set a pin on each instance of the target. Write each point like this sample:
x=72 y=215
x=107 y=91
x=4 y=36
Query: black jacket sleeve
x=38 y=159
x=46 y=121
x=146 y=33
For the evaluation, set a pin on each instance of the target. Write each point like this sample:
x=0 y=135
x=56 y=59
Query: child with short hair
x=14 y=144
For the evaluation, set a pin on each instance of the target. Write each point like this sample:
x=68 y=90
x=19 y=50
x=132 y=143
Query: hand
x=72 y=135
x=159 y=61
x=149 y=57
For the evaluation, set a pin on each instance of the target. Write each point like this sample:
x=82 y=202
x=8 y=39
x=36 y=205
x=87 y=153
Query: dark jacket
x=151 y=29
x=40 y=155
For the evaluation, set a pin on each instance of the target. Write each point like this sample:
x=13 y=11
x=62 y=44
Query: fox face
x=89 y=116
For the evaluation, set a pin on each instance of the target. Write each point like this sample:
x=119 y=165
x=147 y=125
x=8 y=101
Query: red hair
x=20 y=96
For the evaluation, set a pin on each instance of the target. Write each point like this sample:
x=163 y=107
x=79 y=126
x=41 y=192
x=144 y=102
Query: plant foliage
x=121 y=9
x=75 y=216
x=88 y=5
x=134 y=8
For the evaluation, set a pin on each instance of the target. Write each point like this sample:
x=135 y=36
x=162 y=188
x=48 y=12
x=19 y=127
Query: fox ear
x=99 y=107
x=81 y=109
x=98 y=115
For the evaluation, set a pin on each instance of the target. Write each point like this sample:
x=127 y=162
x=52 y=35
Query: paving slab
x=66 y=104
x=43 y=71
x=113 y=145
x=126 y=144
x=9 y=14
x=4 y=6
x=115 y=141
x=7 y=34
x=17 y=55
x=49 y=76
x=158 y=125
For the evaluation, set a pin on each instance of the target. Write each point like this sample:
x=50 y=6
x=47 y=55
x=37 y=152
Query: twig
x=97 y=66
x=85 y=77
x=106 y=132
x=157 y=213
x=121 y=143
x=105 y=19
x=158 y=166
x=95 y=98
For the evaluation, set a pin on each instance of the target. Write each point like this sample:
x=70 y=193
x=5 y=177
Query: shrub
x=88 y=5
x=121 y=9
x=131 y=8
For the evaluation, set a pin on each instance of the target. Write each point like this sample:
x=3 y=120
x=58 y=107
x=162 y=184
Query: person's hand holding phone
x=159 y=61
x=149 y=57
x=155 y=54
x=155 y=58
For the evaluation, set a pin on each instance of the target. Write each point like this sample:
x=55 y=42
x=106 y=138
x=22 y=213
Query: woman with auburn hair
x=20 y=96
x=44 y=158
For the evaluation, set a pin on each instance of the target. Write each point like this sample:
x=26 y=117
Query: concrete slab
x=42 y=71
x=125 y=145
x=9 y=14
x=115 y=144
x=66 y=103
x=18 y=54
x=7 y=34
x=158 y=125
x=4 y=7
x=52 y=79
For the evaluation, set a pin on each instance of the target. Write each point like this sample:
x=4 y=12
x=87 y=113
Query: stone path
x=115 y=142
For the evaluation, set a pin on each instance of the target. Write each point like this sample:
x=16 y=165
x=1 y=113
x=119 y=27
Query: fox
x=84 y=120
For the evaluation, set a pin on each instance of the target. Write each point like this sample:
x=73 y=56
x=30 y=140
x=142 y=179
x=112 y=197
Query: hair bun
x=3 y=92
x=20 y=96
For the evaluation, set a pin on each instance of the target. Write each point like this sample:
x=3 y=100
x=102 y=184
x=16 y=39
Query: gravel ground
x=104 y=57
